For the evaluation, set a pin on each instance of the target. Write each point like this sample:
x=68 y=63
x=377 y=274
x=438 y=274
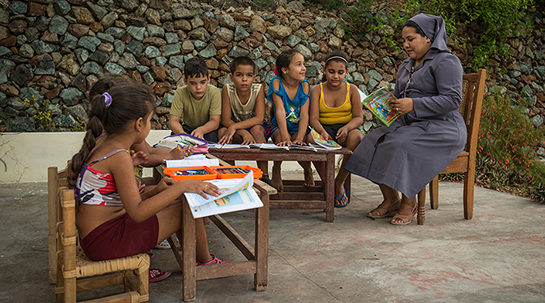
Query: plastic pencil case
x=191 y=173
x=236 y=171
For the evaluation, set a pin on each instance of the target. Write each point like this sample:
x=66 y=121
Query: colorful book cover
x=377 y=103
x=328 y=144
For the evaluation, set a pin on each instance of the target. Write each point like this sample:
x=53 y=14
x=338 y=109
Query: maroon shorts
x=120 y=237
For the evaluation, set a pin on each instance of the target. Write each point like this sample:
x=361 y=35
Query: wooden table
x=257 y=257
x=295 y=195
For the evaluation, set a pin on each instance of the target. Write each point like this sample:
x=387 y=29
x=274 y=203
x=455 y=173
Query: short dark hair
x=195 y=67
x=284 y=60
x=414 y=25
x=243 y=60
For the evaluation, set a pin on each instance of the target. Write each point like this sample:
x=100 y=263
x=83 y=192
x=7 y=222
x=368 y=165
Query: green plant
x=506 y=156
x=357 y=19
x=79 y=126
x=43 y=116
x=492 y=21
x=4 y=116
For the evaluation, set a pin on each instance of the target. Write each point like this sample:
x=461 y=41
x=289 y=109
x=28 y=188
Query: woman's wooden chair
x=472 y=101
x=75 y=272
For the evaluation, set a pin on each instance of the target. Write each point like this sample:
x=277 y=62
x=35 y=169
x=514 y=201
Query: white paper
x=189 y=163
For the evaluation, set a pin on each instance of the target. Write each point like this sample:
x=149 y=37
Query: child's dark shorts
x=332 y=129
x=274 y=128
x=120 y=237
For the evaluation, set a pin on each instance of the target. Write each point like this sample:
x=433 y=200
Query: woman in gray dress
x=408 y=154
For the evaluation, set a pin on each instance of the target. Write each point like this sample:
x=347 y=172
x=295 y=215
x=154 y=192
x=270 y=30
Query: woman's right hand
x=165 y=183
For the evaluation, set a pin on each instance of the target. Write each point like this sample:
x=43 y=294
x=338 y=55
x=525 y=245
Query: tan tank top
x=239 y=111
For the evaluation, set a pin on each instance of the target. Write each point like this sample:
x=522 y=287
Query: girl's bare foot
x=309 y=177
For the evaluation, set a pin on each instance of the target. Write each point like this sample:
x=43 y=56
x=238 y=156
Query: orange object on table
x=236 y=171
x=191 y=173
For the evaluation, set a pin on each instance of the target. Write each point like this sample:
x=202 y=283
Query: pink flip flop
x=156 y=275
x=215 y=260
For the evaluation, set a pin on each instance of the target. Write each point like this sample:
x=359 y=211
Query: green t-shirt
x=196 y=113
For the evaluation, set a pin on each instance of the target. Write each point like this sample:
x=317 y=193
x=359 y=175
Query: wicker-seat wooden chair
x=472 y=101
x=74 y=271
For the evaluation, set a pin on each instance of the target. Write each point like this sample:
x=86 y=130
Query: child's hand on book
x=284 y=142
x=228 y=137
x=299 y=141
x=342 y=134
x=201 y=188
x=247 y=138
x=325 y=135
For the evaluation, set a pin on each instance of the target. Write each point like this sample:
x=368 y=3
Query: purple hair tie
x=276 y=71
x=107 y=99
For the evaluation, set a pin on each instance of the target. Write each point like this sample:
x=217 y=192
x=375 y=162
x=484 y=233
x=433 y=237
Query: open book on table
x=276 y=147
x=377 y=103
x=235 y=195
x=227 y=146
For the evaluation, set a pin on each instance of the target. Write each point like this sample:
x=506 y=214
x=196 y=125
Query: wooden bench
x=295 y=195
x=257 y=257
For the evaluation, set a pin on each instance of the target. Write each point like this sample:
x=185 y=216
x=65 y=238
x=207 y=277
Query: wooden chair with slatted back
x=75 y=272
x=472 y=101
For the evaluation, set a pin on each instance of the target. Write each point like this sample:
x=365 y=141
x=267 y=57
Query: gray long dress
x=421 y=143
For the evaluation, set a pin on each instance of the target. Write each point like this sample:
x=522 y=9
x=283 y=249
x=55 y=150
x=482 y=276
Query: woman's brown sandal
x=388 y=211
x=405 y=219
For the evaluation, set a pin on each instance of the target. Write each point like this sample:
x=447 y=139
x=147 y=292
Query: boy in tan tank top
x=243 y=109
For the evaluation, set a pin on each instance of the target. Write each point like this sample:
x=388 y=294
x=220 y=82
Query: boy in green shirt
x=196 y=107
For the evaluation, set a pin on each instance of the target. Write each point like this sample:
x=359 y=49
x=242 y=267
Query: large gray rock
x=29 y=93
x=82 y=55
x=41 y=47
x=109 y=19
x=71 y=96
x=224 y=34
x=136 y=32
x=79 y=112
x=307 y=54
x=171 y=49
x=119 y=47
x=209 y=52
x=155 y=31
x=105 y=37
x=227 y=21
x=172 y=38
x=136 y=48
x=128 y=61
x=90 y=43
x=238 y=52
x=98 y=11
x=115 y=32
x=293 y=40
x=26 y=51
x=240 y=33
x=130 y=5
x=114 y=68
x=62 y=7
x=199 y=34
x=152 y=52
x=91 y=67
x=279 y=31
x=177 y=61
x=69 y=41
x=58 y=25
x=22 y=124
x=18 y=8
x=64 y=121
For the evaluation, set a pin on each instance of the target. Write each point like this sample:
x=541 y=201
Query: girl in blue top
x=289 y=91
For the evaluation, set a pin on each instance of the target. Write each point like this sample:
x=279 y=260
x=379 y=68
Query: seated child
x=113 y=219
x=336 y=113
x=196 y=107
x=289 y=92
x=243 y=109
x=145 y=155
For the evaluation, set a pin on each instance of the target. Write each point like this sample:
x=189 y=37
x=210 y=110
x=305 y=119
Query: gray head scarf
x=434 y=28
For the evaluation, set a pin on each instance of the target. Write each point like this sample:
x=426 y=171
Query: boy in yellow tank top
x=336 y=113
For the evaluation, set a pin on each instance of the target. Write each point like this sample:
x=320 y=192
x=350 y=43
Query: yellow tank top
x=335 y=115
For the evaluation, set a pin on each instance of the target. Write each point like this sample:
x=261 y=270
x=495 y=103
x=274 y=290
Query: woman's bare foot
x=385 y=209
x=277 y=177
x=406 y=213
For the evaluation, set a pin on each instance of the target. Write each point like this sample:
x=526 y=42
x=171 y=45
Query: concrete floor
x=498 y=256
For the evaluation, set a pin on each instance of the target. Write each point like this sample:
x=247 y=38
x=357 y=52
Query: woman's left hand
x=401 y=106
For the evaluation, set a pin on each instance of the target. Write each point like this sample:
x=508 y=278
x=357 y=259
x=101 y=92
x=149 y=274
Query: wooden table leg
x=330 y=187
x=189 y=263
x=262 y=243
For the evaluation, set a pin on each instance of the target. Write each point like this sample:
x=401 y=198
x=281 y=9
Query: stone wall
x=55 y=50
